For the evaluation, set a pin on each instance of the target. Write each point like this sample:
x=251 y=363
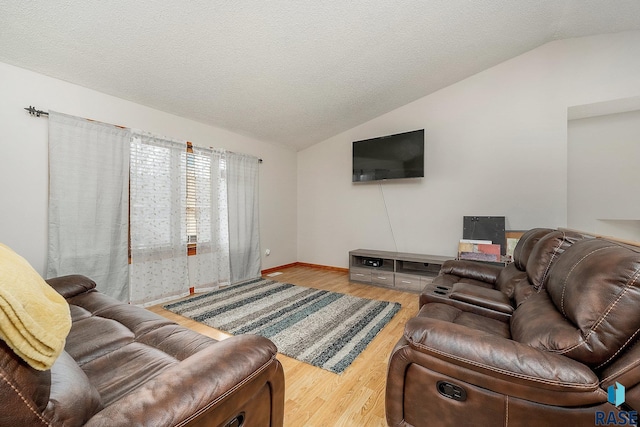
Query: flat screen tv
x=389 y=157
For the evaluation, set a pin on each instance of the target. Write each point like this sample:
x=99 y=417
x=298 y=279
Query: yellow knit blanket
x=34 y=318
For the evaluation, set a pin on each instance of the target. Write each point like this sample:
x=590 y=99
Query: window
x=206 y=218
x=158 y=185
x=192 y=229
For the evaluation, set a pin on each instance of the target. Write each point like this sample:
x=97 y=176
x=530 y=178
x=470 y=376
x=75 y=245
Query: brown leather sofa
x=126 y=366
x=495 y=291
x=550 y=363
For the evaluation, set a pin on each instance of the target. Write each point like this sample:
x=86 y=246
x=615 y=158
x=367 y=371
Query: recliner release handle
x=452 y=391
x=237 y=421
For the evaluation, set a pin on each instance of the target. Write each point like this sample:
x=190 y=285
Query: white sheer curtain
x=88 y=202
x=244 y=221
x=101 y=174
x=210 y=216
x=158 y=270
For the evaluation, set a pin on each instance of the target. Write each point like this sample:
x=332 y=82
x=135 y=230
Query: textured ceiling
x=289 y=72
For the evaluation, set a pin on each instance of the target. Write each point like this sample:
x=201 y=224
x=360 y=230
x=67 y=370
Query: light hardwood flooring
x=315 y=397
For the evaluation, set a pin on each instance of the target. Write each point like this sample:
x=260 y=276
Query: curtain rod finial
x=34 y=112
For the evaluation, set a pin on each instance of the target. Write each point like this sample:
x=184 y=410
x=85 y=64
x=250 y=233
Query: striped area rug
x=325 y=329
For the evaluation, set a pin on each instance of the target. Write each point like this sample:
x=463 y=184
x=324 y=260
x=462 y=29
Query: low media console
x=402 y=271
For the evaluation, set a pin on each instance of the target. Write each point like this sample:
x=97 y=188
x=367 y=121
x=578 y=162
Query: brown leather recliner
x=489 y=275
x=126 y=366
x=496 y=291
x=550 y=364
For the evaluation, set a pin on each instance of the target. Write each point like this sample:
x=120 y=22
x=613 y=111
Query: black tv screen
x=389 y=157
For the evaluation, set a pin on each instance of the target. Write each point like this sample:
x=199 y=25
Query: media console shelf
x=402 y=271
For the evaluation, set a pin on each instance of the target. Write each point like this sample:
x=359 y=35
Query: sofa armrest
x=472 y=270
x=496 y=363
x=239 y=375
x=72 y=285
x=491 y=299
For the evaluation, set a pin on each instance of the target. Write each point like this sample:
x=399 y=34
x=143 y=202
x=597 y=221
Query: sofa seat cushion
x=539 y=324
x=176 y=341
x=448 y=313
x=137 y=363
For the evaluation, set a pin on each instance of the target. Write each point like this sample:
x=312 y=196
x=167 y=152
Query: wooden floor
x=315 y=397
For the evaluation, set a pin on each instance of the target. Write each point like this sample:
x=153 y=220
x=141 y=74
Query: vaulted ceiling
x=289 y=72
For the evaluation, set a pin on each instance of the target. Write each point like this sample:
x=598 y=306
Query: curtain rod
x=34 y=112
x=37 y=113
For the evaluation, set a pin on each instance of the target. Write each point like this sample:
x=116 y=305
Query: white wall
x=24 y=160
x=496 y=144
x=603 y=174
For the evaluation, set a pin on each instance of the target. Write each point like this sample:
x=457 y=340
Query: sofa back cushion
x=73 y=399
x=526 y=244
x=589 y=308
x=515 y=272
x=508 y=278
x=522 y=291
x=546 y=252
